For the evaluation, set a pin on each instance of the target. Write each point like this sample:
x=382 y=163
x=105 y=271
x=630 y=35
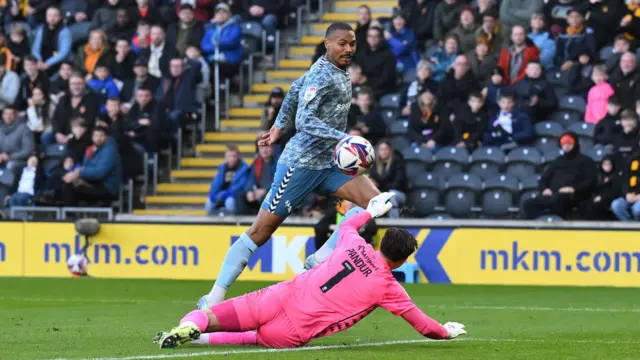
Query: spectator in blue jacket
x=52 y=42
x=402 y=41
x=228 y=183
x=543 y=40
x=103 y=85
x=576 y=44
x=98 y=179
x=510 y=127
x=444 y=58
x=225 y=35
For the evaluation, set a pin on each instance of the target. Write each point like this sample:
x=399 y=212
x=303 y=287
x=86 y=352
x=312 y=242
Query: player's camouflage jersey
x=320 y=102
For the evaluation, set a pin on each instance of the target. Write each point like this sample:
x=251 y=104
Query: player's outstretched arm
x=430 y=328
x=289 y=106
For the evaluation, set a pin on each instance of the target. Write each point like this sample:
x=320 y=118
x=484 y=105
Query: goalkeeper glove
x=454 y=329
x=380 y=205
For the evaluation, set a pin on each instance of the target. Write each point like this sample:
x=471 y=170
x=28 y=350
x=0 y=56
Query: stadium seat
x=530 y=183
x=544 y=144
x=572 y=103
x=54 y=154
x=409 y=76
x=423 y=201
x=389 y=116
x=559 y=78
x=428 y=181
x=486 y=161
x=548 y=129
x=450 y=160
x=606 y=53
x=551 y=153
x=409 y=273
x=440 y=216
x=390 y=101
x=583 y=130
x=7 y=178
x=549 y=218
x=416 y=160
x=597 y=153
x=462 y=193
x=500 y=192
x=522 y=162
x=560 y=92
x=459 y=203
x=398 y=132
x=566 y=117
x=528 y=194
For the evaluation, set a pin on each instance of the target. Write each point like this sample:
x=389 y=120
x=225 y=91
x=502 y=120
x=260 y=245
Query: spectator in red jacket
x=514 y=59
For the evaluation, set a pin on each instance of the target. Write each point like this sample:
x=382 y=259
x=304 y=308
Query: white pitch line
x=350 y=346
x=444 y=307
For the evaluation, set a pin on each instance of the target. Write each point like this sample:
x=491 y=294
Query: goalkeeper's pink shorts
x=262 y=311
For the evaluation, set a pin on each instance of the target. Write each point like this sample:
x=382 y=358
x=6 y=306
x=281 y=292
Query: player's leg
x=358 y=190
x=289 y=187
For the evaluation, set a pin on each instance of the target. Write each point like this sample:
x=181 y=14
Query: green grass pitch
x=117 y=319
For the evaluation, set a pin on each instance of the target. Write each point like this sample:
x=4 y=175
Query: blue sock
x=235 y=261
x=323 y=253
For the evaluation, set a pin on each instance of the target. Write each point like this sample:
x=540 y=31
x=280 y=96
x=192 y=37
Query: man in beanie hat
x=565 y=183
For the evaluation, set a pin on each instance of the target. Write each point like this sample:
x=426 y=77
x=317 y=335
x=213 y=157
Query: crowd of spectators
x=537 y=100
x=87 y=87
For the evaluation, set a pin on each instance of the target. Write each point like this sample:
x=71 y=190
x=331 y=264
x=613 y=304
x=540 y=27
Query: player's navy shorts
x=292 y=185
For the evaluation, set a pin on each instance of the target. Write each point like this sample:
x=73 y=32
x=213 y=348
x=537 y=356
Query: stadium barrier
x=483 y=253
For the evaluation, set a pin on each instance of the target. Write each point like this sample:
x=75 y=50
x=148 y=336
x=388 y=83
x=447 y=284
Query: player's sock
x=228 y=338
x=197 y=317
x=325 y=251
x=235 y=261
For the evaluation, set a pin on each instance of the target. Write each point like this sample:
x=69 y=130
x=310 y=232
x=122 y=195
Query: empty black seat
x=566 y=117
x=548 y=129
x=522 y=162
x=572 y=103
x=416 y=160
x=450 y=160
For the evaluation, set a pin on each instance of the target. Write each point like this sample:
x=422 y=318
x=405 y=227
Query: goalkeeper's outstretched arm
x=430 y=328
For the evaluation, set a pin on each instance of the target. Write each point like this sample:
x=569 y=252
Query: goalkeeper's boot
x=202 y=303
x=180 y=335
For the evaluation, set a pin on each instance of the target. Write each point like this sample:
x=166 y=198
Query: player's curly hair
x=398 y=244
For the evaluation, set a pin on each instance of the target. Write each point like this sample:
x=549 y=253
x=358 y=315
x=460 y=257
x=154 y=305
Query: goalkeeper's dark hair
x=337 y=26
x=398 y=244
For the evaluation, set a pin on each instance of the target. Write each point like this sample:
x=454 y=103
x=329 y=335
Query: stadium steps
x=169 y=212
x=189 y=186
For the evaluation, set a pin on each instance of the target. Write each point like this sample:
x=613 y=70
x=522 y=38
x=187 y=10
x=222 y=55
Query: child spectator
x=471 y=122
x=609 y=127
x=18 y=44
x=193 y=53
x=38 y=113
x=542 y=39
x=142 y=37
x=429 y=124
x=510 y=127
x=103 y=85
x=60 y=82
x=598 y=96
x=79 y=140
x=493 y=90
x=444 y=58
x=28 y=185
x=607 y=189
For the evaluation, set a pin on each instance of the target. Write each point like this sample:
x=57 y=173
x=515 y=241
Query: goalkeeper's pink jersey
x=348 y=286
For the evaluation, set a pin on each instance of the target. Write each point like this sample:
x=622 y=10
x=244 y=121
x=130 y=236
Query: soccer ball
x=77 y=265
x=354 y=155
